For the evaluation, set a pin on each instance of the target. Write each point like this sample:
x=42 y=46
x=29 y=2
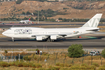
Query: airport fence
x=49 y=56
x=56 y=58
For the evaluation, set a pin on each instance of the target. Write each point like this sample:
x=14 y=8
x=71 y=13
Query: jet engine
x=54 y=37
x=40 y=38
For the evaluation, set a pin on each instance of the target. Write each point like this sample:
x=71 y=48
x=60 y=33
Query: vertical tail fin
x=94 y=21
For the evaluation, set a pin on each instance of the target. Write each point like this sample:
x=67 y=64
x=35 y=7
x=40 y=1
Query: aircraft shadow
x=58 y=40
x=75 y=40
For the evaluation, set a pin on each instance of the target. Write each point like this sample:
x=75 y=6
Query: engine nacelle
x=53 y=37
x=40 y=38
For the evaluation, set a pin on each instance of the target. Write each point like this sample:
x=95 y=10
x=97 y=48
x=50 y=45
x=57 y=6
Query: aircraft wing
x=52 y=36
x=63 y=34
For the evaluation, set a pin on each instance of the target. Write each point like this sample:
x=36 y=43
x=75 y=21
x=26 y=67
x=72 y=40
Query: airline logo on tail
x=94 y=21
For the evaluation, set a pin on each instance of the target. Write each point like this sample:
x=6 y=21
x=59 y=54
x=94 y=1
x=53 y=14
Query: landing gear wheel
x=48 y=40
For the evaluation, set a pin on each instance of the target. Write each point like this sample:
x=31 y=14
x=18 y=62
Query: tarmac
x=88 y=43
x=63 y=25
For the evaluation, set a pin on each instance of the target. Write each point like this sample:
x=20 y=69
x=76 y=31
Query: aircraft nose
x=7 y=33
x=3 y=33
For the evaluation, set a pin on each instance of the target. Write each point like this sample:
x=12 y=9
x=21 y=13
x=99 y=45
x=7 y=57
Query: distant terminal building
x=7 y=0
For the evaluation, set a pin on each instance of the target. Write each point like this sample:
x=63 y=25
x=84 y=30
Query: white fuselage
x=29 y=32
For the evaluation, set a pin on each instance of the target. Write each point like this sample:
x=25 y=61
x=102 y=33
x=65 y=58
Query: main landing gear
x=49 y=40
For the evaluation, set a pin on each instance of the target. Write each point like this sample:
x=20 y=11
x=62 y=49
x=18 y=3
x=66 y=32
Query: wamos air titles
x=51 y=34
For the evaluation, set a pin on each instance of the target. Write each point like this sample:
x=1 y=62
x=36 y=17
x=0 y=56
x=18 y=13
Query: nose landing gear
x=13 y=39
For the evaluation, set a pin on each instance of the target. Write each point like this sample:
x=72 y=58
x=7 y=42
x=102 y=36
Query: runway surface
x=8 y=25
x=62 y=43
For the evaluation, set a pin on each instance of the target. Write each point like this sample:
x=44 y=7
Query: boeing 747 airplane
x=51 y=34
